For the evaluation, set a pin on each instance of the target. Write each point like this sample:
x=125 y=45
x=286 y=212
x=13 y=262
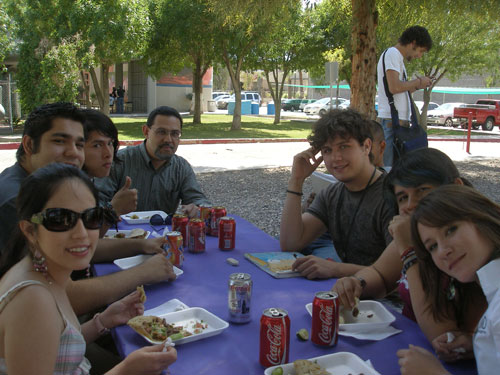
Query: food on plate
x=281 y=265
x=137 y=233
x=303 y=334
x=155 y=328
x=119 y=235
x=142 y=293
x=134 y=216
x=355 y=309
x=305 y=367
x=277 y=371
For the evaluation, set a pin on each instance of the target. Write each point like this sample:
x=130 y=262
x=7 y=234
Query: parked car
x=430 y=107
x=443 y=115
x=291 y=104
x=221 y=101
x=319 y=107
x=486 y=112
x=305 y=102
x=345 y=105
x=215 y=94
x=251 y=95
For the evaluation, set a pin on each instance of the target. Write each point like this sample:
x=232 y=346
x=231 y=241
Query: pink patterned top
x=71 y=356
x=404 y=293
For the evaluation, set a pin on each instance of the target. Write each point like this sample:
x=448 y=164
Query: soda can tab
x=227 y=233
x=174 y=248
x=196 y=236
x=274 y=337
x=217 y=214
x=206 y=211
x=325 y=319
x=239 y=297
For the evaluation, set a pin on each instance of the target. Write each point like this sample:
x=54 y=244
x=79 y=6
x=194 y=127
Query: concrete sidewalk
x=236 y=156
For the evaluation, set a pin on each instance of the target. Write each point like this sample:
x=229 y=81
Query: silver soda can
x=239 y=296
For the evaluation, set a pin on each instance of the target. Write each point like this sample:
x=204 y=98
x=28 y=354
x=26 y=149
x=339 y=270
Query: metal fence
x=9 y=99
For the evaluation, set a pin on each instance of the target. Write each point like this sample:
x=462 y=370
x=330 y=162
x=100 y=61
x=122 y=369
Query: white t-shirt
x=487 y=335
x=394 y=60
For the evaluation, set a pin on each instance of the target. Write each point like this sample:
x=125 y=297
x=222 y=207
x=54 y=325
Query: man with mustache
x=162 y=178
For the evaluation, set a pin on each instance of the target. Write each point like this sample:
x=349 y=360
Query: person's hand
x=149 y=360
x=156 y=269
x=154 y=245
x=305 y=163
x=460 y=346
x=348 y=288
x=125 y=199
x=416 y=361
x=191 y=210
x=121 y=311
x=313 y=267
x=424 y=82
x=400 y=230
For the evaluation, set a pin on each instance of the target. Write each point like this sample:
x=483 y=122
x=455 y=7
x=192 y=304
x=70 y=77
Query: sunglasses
x=157 y=220
x=62 y=219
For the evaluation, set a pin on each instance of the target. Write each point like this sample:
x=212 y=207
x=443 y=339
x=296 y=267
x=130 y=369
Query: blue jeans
x=322 y=247
x=389 y=139
x=119 y=105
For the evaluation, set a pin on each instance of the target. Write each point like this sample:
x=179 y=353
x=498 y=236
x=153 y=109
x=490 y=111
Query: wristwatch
x=361 y=281
x=98 y=324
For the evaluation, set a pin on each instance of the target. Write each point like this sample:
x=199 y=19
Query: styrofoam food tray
x=112 y=232
x=126 y=263
x=341 y=363
x=372 y=316
x=185 y=318
x=167 y=307
x=144 y=216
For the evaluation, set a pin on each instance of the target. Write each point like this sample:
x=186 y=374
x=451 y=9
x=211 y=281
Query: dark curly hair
x=343 y=123
x=40 y=120
x=417 y=34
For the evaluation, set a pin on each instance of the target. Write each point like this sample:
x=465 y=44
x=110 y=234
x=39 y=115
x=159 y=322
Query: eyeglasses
x=174 y=134
x=62 y=219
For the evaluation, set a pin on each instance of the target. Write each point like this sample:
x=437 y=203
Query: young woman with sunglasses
x=59 y=223
x=457 y=230
x=411 y=178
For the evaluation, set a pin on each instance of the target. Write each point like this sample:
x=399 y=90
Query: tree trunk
x=301 y=83
x=364 y=60
x=86 y=89
x=97 y=86
x=197 y=90
x=235 y=80
x=104 y=105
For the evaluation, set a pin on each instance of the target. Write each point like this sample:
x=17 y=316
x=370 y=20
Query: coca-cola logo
x=274 y=337
x=326 y=319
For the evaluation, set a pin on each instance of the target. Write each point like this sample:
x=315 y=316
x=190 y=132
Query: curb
x=15 y=145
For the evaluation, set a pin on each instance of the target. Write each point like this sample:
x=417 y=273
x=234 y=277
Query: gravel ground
x=257 y=195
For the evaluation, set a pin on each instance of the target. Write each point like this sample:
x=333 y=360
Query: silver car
x=320 y=106
x=443 y=115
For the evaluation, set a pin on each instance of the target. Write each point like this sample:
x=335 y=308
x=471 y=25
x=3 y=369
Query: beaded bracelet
x=410 y=261
x=294 y=192
x=409 y=251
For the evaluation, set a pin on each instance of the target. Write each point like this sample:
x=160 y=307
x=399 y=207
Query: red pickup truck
x=486 y=112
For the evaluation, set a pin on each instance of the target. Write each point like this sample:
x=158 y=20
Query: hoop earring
x=451 y=290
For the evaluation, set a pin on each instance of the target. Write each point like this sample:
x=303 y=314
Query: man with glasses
x=162 y=178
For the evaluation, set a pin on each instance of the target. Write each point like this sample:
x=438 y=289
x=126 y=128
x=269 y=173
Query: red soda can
x=274 y=337
x=196 y=235
x=174 y=248
x=227 y=233
x=218 y=212
x=179 y=224
x=325 y=319
x=206 y=212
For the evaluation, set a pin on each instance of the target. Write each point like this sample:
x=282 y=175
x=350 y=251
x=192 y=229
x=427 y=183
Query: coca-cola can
x=325 y=319
x=217 y=213
x=227 y=233
x=174 y=249
x=206 y=212
x=196 y=236
x=239 y=297
x=180 y=224
x=274 y=337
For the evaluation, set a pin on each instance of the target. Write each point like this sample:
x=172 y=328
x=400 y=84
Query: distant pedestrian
x=121 y=97
x=412 y=44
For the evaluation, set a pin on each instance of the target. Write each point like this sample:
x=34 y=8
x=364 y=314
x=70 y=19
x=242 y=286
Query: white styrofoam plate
x=112 y=233
x=126 y=263
x=167 y=307
x=372 y=316
x=188 y=317
x=142 y=216
x=341 y=363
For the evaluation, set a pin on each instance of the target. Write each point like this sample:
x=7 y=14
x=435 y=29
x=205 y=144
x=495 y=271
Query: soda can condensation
x=227 y=233
x=274 y=337
x=325 y=319
x=218 y=212
x=239 y=297
x=196 y=236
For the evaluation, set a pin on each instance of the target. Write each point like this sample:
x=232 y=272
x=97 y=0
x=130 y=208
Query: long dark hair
x=34 y=193
x=441 y=207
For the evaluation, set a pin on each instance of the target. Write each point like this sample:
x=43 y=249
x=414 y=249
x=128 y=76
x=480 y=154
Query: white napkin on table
x=375 y=335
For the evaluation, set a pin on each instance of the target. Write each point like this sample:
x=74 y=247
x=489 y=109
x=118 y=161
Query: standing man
x=413 y=43
x=353 y=211
x=162 y=178
x=120 y=99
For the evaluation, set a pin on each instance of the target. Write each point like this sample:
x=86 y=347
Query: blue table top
x=205 y=284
